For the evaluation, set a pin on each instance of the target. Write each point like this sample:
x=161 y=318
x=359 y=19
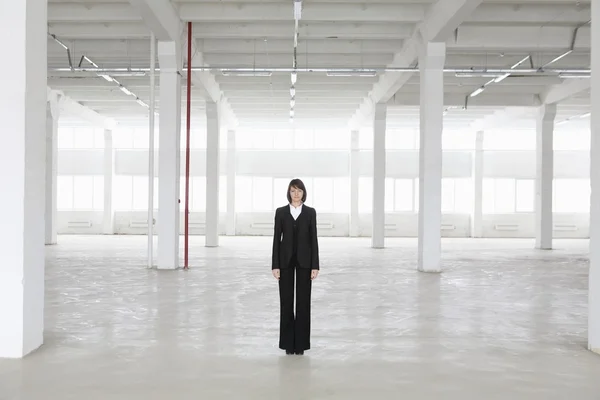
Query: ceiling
x=332 y=34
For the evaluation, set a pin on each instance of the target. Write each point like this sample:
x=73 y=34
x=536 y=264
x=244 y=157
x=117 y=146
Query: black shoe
x=289 y=352
x=300 y=352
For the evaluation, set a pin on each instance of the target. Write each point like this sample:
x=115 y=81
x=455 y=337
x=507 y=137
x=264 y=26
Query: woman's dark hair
x=298 y=184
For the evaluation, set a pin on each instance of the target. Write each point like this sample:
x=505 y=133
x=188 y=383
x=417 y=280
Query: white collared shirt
x=296 y=211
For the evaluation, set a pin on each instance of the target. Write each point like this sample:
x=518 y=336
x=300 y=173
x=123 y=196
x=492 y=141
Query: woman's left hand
x=314 y=273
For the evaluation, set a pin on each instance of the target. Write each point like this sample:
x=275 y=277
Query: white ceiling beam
x=207 y=80
x=535 y=14
x=346 y=12
x=444 y=17
x=459 y=100
x=250 y=60
x=160 y=17
x=72 y=108
x=90 y=12
x=565 y=90
x=518 y=38
x=239 y=30
x=210 y=12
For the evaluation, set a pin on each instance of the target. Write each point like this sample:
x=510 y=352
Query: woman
x=295 y=258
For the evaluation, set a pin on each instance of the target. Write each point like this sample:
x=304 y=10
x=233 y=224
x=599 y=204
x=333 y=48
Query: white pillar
x=378 y=236
x=212 y=174
x=231 y=167
x=52 y=115
x=169 y=155
x=354 y=175
x=477 y=217
x=544 y=176
x=594 y=274
x=431 y=63
x=108 y=225
x=23 y=25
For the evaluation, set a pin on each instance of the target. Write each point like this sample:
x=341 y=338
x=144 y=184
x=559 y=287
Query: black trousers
x=294 y=328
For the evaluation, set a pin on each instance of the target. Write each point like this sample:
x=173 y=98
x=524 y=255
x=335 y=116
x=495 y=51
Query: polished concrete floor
x=503 y=321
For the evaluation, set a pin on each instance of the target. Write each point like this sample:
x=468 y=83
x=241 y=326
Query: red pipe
x=187 y=148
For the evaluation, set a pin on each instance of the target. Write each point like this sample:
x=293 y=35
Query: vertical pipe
x=187 y=147
x=151 y=153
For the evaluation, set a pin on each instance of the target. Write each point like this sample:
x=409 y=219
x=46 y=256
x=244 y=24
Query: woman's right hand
x=276 y=273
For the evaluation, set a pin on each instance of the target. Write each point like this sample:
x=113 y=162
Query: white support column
x=380 y=121
x=594 y=274
x=477 y=217
x=231 y=168
x=108 y=227
x=431 y=63
x=212 y=174
x=169 y=155
x=354 y=175
x=23 y=24
x=52 y=116
x=544 y=176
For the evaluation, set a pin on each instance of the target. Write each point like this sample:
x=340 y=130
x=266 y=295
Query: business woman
x=295 y=258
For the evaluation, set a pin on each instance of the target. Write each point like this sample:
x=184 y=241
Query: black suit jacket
x=283 y=245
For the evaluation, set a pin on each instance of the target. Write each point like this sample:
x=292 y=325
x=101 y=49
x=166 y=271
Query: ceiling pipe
x=364 y=71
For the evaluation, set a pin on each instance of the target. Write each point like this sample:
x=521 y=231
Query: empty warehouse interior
x=450 y=149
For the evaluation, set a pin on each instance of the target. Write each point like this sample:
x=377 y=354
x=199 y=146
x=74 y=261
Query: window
x=341 y=195
x=458 y=140
x=403 y=195
x=283 y=140
x=510 y=140
x=365 y=195
x=80 y=138
x=463 y=195
x=498 y=196
x=80 y=192
x=322 y=193
x=262 y=194
x=448 y=200
x=130 y=193
x=571 y=196
x=332 y=139
x=262 y=140
x=243 y=194
x=304 y=139
x=400 y=139
x=365 y=139
x=525 y=201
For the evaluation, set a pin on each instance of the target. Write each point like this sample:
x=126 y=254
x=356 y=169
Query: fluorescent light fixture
x=293 y=91
x=585 y=115
x=291 y=113
x=564 y=121
x=297 y=9
x=107 y=78
x=292 y=102
x=126 y=91
x=352 y=73
x=141 y=103
x=558 y=58
x=294 y=78
x=501 y=78
x=574 y=76
x=477 y=92
x=475 y=75
x=90 y=61
x=227 y=72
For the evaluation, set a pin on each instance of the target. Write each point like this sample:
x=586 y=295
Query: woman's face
x=296 y=194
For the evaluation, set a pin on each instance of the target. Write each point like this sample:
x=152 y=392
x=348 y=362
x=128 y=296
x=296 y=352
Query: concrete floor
x=503 y=321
